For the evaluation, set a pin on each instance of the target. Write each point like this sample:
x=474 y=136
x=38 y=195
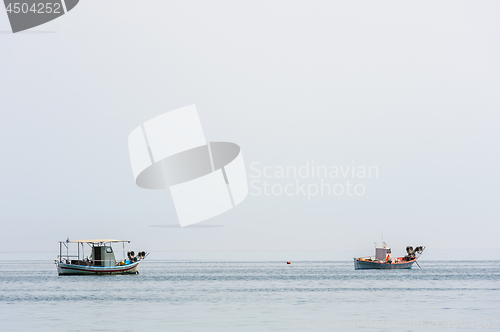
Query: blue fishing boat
x=101 y=259
x=383 y=259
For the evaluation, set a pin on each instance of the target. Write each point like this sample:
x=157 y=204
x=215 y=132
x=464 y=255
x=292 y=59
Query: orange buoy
x=289 y=262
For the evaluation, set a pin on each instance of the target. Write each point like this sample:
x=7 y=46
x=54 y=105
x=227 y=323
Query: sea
x=211 y=295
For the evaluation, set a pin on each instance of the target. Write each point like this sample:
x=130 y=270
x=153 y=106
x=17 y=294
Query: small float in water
x=383 y=259
x=101 y=259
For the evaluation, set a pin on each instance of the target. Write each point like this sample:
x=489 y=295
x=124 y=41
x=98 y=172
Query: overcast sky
x=409 y=87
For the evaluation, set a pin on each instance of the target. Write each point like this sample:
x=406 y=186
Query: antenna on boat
x=382 y=234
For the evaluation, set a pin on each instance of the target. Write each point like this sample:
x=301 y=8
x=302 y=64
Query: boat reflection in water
x=101 y=259
x=383 y=259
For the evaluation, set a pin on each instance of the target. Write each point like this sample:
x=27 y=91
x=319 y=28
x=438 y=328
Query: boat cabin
x=103 y=256
x=382 y=253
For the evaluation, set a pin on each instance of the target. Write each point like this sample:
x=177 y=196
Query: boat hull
x=71 y=269
x=362 y=265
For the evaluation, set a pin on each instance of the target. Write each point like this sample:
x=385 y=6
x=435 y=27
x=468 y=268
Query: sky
x=410 y=88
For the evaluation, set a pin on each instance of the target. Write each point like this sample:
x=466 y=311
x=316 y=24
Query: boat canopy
x=95 y=241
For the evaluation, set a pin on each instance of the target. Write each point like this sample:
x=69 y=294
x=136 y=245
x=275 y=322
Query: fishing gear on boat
x=412 y=252
x=133 y=258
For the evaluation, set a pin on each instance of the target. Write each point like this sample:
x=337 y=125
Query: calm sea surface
x=249 y=296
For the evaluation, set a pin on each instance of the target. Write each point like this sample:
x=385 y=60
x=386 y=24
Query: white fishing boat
x=101 y=259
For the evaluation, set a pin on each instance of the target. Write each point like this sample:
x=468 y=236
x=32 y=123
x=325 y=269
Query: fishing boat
x=383 y=259
x=101 y=259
